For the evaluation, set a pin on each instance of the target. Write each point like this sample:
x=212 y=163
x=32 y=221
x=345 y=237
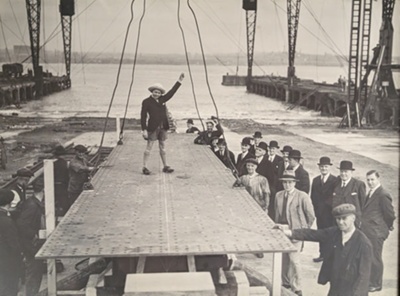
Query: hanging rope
x=233 y=168
x=116 y=82
x=121 y=134
x=188 y=65
x=5 y=40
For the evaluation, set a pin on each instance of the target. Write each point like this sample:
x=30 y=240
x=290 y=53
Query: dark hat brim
x=324 y=163
x=346 y=169
x=288 y=178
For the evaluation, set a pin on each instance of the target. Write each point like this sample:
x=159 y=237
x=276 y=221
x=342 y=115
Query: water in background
x=92 y=89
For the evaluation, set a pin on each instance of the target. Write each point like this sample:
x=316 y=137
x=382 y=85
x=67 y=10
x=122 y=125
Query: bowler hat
x=80 y=148
x=24 y=172
x=346 y=165
x=344 y=210
x=221 y=142
x=251 y=160
x=6 y=197
x=157 y=86
x=296 y=154
x=246 y=141
x=59 y=150
x=286 y=149
x=273 y=144
x=257 y=135
x=324 y=160
x=263 y=146
x=288 y=175
x=189 y=121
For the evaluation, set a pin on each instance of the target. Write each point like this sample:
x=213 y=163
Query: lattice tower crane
x=250 y=6
x=67 y=10
x=293 y=14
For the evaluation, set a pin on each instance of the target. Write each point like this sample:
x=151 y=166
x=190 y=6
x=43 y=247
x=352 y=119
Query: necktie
x=343 y=184
x=369 y=193
x=323 y=179
x=284 y=206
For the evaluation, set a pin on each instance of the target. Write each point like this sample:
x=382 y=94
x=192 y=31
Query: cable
x=117 y=80
x=80 y=47
x=133 y=72
x=5 y=40
x=188 y=65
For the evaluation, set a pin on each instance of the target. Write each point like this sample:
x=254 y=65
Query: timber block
x=238 y=282
x=172 y=283
x=259 y=291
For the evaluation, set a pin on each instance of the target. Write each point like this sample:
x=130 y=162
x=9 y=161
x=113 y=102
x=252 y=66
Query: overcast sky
x=100 y=26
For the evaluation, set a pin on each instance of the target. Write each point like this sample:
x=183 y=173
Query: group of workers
x=22 y=218
x=352 y=223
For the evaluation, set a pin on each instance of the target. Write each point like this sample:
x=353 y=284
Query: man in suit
x=265 y=167
x=301 y=174
x=347 y=263
x=293 y=210
x=321 y=197
x=349 y=189
x=283 y=166
x=191 y=129
x=257 y=137
x=243 y=156
x=273 y=157
x=377 y=216
x=206 y=137
x=156 y=127
x=225 y=155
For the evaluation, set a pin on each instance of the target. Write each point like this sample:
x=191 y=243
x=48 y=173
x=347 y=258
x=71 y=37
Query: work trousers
x=291 y=268
x=377 y=263
x=33 y=275
x=9 y=283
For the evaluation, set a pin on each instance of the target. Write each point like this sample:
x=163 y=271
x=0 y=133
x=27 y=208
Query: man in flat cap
x=349 y=189
x=321 y=197
x=79 y=169
x=10 y=249
x=23 y=177
x=191 y=129
x=243 y=156
x=206 y=137
x=293 y=210
x=154 y=121
x=377 y=217
x=301 y=174
x=347 y=261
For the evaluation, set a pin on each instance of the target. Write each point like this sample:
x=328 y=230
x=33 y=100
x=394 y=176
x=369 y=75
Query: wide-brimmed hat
x=263 y=146
x=324 y=160
x=273 y=144
x=6 y=197
x=344 y=210
x=257 y=135
x=80 y=148
x=346 y=165
x=288 y=175
x=286 y=148
x=157 y=86
x=59 y=150
x=189 y=121
x=251 y=160
x=246 y=141
x=24 y=172
x=296 y=154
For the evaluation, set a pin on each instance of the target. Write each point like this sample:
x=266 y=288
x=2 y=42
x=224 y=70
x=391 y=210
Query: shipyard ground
x=368 y=149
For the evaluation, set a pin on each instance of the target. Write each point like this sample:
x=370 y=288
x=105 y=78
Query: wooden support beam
x=276 y=274
x=191 y=263
x=141 y=264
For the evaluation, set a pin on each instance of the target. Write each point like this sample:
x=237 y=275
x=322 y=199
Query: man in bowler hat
x=257 y=138
x=349 y=189
x=191 y=129
x=265 y=167
x=347 y=262
x=243 y=156
x=154 y=122
x=321 y=197
x=283 y=166
x=301 y=174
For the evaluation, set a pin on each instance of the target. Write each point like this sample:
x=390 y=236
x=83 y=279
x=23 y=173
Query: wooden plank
x=276 y=274
x=191 y=263
x=141 y=264
x=188 y=212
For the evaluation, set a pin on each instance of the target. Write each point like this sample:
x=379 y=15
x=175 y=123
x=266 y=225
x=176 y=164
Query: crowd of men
x=22 y=218
x=352 y=223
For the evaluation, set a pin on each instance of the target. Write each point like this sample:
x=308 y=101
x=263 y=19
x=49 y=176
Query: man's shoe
x=167 y=169
x=298 y=292
x=374 y=289
x=260 y=255
x=319 y=259
x=146 y=171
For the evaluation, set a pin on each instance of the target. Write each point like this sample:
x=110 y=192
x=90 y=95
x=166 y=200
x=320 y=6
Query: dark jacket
x=241 y=163
x=157 y=111
x=228 y=158
x=377 y=214
x=353 y=192
x=10 y=248
x=78 y=174
x=276 y=162
x=321 y=197
x=205 y=137
x=304 y=179
x=347 y=267
x=266 y=169
x=192 y=130
x=28 y=224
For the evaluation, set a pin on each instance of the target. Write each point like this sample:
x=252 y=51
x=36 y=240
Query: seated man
x=205 y=137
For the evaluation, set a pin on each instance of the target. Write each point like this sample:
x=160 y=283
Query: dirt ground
x=27 y=139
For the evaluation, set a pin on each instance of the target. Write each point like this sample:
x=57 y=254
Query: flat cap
x=344 y=210
x=6 y=197
x=24 y=172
